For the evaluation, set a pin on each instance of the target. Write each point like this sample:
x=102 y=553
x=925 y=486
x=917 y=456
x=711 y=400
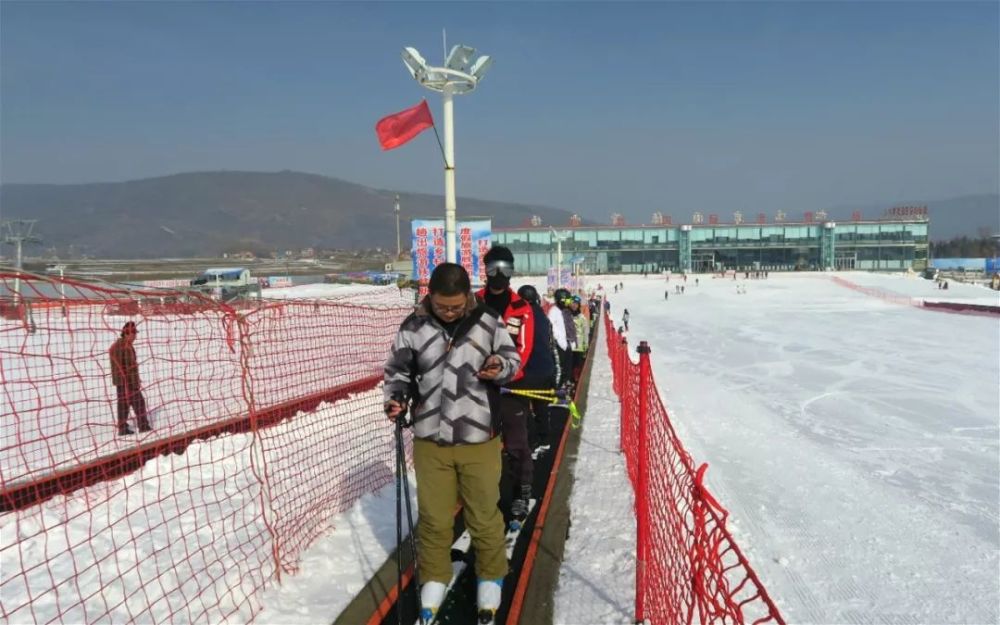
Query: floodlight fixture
x=459 y=75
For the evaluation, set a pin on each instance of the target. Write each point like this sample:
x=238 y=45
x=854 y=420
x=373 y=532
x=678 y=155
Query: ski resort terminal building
x=897 y=242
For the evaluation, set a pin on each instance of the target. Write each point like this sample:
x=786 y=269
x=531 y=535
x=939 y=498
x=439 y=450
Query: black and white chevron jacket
x=451 y=405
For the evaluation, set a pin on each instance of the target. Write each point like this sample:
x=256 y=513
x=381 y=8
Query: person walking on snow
x=125 y=377
x=456 y=447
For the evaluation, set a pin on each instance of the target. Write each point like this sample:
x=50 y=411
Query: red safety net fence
x=689 y=569
x=958 y=306
x=266 y=423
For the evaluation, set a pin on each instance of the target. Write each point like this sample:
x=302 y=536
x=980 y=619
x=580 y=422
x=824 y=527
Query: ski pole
x=403 y=484
x=409 y=514
x=399 y=524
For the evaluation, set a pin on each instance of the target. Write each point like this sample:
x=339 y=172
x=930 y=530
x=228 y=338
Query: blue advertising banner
x=428 y=245
x=968 y=264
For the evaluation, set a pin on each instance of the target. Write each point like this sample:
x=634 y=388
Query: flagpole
x=443 y=157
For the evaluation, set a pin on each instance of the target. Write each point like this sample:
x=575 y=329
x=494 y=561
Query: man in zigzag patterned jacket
x=447 y=359
x=514 y=409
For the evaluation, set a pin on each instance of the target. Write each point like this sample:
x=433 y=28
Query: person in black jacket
x=540 y=370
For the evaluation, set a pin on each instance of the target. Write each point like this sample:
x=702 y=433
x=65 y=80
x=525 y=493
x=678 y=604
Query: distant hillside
x=203 y=214
x=199 y=214
x=953 y=217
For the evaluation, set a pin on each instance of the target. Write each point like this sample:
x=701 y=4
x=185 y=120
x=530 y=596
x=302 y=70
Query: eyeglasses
x=447 y=310
x=500 y=267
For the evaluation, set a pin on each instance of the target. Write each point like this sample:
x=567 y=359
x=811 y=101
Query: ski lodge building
x=896 y=242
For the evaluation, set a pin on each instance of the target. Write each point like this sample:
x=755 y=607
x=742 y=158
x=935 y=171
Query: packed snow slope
x=854 y=440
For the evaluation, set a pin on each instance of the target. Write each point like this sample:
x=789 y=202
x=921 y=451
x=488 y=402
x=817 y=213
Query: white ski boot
x=488 y=596
x=431 y=596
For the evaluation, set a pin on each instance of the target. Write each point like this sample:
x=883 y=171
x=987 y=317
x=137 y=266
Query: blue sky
x=593 y=107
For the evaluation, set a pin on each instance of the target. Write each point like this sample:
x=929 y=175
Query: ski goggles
x=501 y=267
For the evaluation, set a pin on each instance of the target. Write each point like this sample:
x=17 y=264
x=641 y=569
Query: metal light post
x=459 y=75
x=17 y=232
x=398 y=249
x=559 y=237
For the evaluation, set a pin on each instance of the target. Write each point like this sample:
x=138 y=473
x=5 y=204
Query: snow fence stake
x=642 y=492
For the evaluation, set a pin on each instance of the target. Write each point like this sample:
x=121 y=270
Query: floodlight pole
x=558 y=263
x=559 y=240
x=19 y=266
x=460 y=74
x=451 y=249
x=17 y=232
x=399 y=250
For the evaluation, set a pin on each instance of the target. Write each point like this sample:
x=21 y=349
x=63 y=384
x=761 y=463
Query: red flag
x=396 y=129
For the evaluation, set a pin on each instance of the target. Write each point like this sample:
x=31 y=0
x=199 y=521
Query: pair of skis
x=460 y=562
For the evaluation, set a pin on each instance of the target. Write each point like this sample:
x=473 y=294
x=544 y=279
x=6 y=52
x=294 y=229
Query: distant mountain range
x=205 y=213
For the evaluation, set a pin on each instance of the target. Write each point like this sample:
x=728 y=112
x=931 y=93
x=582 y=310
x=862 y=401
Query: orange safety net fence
x=690 y=569
x=264 y=422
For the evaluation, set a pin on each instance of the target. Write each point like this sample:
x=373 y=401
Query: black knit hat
x=498 y=252
x=530 y=294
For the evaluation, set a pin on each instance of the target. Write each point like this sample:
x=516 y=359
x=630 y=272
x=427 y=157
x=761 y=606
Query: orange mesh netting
x=265 y=423
x=690 y=569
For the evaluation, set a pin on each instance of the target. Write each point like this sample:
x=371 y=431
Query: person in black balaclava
x=514 y=409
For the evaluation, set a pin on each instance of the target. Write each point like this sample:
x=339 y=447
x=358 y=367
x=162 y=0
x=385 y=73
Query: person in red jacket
x=514 y=410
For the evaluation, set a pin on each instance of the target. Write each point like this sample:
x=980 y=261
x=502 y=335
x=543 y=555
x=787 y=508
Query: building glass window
x=724 y=235
x=631 y=237
x=699 y=235
x=585 y=238
x=654 y=236
x=609 y=239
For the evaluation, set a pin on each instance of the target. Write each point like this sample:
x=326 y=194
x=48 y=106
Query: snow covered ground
x=597 y=578
x=198 y=568
x=917 y=288
x=58 y=380
x=362 y=293
x=854 y=441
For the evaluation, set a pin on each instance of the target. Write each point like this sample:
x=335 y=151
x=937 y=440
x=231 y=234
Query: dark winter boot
x=124 y=430
x=519 y=507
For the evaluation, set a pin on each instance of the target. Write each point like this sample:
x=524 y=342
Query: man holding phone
x=445 y=362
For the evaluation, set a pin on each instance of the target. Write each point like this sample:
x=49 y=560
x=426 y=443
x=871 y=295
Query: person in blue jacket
x=541 y=370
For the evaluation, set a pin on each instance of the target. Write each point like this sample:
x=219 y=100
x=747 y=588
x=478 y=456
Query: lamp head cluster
x=461 y=72
x=560 y=236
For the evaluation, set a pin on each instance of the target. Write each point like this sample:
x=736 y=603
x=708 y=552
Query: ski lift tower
x=559 y=238
x=17 y=232
x=459 y=75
